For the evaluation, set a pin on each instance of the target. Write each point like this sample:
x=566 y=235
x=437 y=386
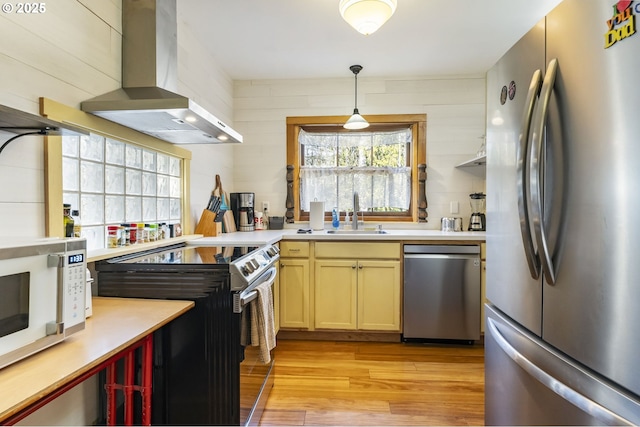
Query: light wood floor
x=364 y=383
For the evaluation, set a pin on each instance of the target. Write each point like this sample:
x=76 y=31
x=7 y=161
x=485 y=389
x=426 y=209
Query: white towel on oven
x=263 y=328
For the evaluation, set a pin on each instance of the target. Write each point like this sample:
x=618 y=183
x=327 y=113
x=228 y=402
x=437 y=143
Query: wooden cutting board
x=228 y=222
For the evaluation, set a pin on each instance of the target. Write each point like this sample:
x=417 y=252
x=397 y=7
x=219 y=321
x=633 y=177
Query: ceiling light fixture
x=367 y=16
x=356 y=121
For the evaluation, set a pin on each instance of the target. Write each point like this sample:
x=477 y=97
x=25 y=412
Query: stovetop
x=244 y=263
x=223 y=255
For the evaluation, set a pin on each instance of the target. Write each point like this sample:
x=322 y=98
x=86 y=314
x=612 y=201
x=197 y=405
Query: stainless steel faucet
x=356 y=208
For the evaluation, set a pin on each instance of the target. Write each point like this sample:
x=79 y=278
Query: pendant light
x=356 y=121
x=367 y=16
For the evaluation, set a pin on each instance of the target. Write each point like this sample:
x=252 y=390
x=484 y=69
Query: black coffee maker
x=243 y=212
x=477 y=221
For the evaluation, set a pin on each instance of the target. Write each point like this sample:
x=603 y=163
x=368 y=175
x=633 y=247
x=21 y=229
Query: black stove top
x=191 y=255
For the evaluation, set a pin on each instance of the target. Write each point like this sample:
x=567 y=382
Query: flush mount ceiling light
x=366 y=16
x=356 y=121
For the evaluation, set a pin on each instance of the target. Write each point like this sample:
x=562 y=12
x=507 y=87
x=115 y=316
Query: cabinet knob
x=281 y=265
x=353 y=266
x=360 y=266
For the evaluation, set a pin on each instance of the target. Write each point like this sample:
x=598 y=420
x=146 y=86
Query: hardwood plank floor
x=367 y=383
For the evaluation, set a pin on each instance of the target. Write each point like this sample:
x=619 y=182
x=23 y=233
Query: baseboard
x=340 y=336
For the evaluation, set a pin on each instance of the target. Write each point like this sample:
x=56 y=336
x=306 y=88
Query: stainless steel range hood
x=147 y=101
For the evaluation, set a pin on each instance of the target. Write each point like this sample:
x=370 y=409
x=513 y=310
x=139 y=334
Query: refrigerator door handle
x=521 y=175
x=585 y=404
x=536 y=170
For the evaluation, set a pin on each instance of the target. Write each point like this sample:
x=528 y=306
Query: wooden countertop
x=116 y=324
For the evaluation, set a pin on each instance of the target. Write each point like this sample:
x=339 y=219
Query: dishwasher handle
x=442 y=249
x=443 y=256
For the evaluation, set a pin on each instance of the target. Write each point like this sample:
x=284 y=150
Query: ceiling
x=295 y=39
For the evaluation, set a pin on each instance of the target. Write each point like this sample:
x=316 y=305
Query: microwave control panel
x=75 y=282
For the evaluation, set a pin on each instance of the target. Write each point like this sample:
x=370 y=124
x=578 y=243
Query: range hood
x=147 y=101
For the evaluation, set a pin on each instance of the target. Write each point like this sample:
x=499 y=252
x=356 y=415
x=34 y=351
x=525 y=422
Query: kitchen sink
x=356 y=232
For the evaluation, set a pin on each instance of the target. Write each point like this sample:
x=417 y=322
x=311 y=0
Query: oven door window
x=14 y=305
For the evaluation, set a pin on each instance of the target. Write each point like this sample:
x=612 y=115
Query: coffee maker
x=477 y=221
x=243 y=212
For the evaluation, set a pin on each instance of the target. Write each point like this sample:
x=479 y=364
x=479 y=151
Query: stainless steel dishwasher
x=441 y=292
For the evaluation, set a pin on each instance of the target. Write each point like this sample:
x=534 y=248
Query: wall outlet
x=265 y=206
x=454 y=207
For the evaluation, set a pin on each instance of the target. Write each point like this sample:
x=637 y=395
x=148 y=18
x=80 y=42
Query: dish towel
x=263 y=328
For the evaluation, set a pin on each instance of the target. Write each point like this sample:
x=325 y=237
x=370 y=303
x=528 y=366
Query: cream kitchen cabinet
x=294 y=285
x=357 y=286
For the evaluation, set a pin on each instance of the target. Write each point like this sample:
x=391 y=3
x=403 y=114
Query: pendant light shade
x=367 y=16
x=356 y=121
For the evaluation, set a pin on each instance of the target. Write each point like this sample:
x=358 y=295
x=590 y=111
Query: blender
x=477 y=221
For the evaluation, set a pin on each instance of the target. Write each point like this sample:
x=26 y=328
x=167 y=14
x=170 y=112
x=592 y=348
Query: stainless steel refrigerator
x=562 y=333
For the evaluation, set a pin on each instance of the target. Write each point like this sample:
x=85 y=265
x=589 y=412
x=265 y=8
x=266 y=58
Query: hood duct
x=147 y=101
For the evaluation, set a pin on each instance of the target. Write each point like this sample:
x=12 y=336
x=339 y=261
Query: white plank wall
x=455 y=122
x=71 y=53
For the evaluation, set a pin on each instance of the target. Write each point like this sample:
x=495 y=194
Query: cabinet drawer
x=483 y=251
x=352 y=250
x=294 y=249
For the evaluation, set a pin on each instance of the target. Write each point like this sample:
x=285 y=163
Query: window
x=375 y=164
x=111 y=182
x=111 y=175
x=330 y=163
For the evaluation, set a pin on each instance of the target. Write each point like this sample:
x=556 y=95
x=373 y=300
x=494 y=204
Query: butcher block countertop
x=116 y=324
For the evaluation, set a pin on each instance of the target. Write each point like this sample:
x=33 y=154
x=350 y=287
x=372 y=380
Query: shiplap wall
x=71 y=53
x=455 y=108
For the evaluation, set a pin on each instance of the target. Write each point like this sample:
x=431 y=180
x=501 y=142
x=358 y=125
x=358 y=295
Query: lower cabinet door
x=379 y=295
x=294 y=293
x=336 y=294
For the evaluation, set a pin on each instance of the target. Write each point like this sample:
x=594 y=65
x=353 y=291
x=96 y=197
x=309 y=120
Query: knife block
x=207 y=225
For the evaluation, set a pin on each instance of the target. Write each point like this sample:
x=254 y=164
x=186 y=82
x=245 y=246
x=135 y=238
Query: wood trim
x=418 y=124
x=53 y=223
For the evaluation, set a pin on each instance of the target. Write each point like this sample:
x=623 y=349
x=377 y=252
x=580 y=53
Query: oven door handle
x=248 y=295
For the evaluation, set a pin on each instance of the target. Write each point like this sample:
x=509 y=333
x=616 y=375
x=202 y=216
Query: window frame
x=418 y=155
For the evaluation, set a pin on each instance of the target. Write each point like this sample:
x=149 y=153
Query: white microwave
x=42 y=294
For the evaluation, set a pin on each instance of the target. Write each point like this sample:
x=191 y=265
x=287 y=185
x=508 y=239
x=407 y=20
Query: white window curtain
x=337 y=164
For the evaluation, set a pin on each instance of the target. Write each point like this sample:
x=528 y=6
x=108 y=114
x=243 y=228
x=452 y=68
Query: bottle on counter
x=127 y=233
x=265 y=218
x=335 y=218
x=153 y=232
x=113 y=238
x=133 y=233
x=347 y=221
x=123 y=237
x=141 y=237
x=68 y=220
x=77 y=228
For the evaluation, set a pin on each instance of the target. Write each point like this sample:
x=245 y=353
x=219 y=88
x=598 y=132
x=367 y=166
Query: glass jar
x=153 y=232
x=113 y=237
x=142 y=235
x=133 y=233
x=77 y=228
x=68 y=220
